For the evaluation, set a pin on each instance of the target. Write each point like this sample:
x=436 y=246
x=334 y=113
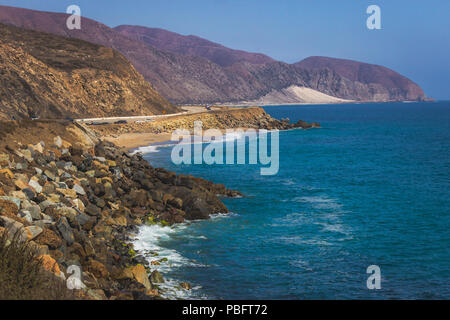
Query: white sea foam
x=147 y=149
x=150 y=243
x=154 y=148
x=298 y=240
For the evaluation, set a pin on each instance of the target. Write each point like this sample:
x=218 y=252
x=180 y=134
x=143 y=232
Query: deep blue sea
x=371 y=187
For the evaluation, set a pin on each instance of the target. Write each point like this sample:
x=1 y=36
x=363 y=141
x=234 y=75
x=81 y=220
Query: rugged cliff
x=48 y=76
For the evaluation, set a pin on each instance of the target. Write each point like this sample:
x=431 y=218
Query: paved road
x=188 y=110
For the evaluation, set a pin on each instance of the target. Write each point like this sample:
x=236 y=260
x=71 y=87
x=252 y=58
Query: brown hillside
x=54 y=77
x=191 y=45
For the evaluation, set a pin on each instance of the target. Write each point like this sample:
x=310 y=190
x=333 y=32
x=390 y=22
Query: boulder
x=156 y=277
x=65 y=230
x=35 y=211
x=68 y=193
x=93 y=210
x=14 y=228
x=20 y=184
x=79 y=189
x=50 y=175
x=66 y=211
x=7 y=173
x=138 y=273
x=50 y=264
x=32 y=232
x=8 y=208
x=49 y=238
x=98 y=269
x=35 y=185
x=25 y=214
x=185 y=286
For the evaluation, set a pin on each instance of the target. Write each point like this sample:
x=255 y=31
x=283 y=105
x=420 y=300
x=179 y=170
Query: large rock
x=65 y=230
x=98 y=269
x=35 y=212
x=32 y=232
x=35 y=185
x=138 y=273
x=7 y=173
x=79 y=189
x=14 y=200
x=8 y=208
x=66 y=211
x=49 y=238
x=197 y=208
x=93 y=210
x=14 y=228
x=50 y=264
x=156 y=277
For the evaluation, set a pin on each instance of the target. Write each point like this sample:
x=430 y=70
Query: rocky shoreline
x=78 y=201
x=77 y=205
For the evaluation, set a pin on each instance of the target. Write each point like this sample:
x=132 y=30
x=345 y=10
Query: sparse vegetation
x=22 y=276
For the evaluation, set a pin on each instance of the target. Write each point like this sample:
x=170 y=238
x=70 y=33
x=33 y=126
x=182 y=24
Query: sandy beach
x=131 y=141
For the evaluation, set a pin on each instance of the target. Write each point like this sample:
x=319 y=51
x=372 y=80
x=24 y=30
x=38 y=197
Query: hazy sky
x=414 y=40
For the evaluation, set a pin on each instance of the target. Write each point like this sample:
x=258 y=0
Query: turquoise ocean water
x=371 y=187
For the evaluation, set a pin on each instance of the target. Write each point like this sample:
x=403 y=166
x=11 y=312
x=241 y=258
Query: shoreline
x=130 y=136
x=88 y=200
x=89 y=197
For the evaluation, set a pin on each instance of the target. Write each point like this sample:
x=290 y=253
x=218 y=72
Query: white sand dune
x=296 y=95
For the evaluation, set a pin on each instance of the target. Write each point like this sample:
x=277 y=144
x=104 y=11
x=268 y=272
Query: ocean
x=371 y=187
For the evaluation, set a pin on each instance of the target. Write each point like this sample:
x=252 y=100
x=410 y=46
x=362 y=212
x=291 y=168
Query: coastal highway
x=188 y=110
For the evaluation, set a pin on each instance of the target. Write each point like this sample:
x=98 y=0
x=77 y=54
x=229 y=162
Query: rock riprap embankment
x=78 y=204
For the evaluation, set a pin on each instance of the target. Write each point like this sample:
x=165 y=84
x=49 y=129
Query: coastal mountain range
x=192 y=70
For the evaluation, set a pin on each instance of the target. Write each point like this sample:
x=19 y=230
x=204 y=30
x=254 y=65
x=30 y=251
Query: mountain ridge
x=191 y=45
x=188 y=79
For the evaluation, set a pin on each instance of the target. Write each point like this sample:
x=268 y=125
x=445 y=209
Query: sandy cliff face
x=54 y=77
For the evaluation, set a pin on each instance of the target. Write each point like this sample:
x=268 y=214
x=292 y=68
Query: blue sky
x=414 y=40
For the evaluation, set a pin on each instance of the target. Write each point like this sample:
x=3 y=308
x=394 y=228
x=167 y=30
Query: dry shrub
x=22 y=276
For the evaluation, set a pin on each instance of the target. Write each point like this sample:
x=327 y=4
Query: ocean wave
x=298 y=240
x=154 y=148
x=147 y=149
x=148 y=243
x=223 y=215
x=320 y=202
x=334 y=227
